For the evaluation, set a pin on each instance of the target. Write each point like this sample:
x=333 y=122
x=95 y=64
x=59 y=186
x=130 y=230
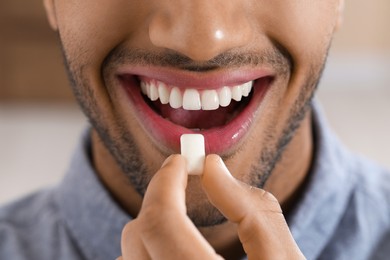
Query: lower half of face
x=246 y=101
x=140 y=129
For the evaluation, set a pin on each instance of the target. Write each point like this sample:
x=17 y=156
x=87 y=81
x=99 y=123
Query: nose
x=200 y=29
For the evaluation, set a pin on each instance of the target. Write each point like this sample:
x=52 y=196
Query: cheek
x=303 y=27
x=90 y=29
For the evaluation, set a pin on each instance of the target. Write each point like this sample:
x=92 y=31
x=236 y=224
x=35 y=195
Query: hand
x=162 y=229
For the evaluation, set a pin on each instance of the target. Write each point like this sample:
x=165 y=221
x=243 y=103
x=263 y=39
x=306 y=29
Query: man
x=243 y=74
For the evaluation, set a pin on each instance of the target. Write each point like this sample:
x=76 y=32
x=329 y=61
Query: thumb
x=262 y=228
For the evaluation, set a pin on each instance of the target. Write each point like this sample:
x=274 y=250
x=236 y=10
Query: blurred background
x=40 y=122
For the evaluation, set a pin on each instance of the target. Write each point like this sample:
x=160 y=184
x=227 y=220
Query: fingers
x=223 y=190
x=262 y=228
x=131 y=244
x=162 y=229
x=167 y=187
x=164 y=215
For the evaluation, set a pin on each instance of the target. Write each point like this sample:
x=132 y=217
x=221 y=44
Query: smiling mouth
x=223 y=113
x=195 y=109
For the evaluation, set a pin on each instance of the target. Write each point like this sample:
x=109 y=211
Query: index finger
x=166 y=231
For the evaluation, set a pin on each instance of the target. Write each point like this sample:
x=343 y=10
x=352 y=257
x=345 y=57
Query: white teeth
x=193 y=99
x=175 y=98
x=246 y=89
x=153 y=93
x=210 y=100
x=237 y=93
x=163 y=93
x=225 y=97
x=144 y=88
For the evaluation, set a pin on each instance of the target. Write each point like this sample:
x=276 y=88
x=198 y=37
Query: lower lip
x=219 y=140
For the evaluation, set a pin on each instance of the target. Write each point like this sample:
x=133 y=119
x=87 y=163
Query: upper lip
x=198 y=80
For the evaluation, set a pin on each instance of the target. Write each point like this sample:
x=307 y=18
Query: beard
x=123 y=146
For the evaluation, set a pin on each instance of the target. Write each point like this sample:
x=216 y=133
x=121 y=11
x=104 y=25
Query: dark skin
x=288 y=39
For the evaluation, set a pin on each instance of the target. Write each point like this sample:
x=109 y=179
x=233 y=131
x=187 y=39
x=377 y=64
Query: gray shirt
x=343 y=214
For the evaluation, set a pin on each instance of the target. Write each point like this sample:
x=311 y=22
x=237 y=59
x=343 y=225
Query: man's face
x=201 y=54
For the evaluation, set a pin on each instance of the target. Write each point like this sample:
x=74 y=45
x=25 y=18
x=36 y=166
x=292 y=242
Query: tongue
x=200 y=119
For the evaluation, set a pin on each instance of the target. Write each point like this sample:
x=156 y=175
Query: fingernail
x=170 y=158
x=218 y=160
x=224 y=167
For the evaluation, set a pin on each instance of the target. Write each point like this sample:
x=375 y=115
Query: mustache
x=276 y=57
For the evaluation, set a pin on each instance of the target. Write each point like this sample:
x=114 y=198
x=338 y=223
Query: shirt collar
x=326 y=195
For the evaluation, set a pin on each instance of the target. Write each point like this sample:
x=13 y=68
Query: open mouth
x=222 y=113
x=196 y=109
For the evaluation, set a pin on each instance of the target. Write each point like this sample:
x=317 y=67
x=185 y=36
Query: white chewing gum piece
x=193 y=149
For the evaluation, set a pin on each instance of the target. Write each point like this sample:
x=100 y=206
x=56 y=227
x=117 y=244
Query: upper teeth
x=193 y=99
